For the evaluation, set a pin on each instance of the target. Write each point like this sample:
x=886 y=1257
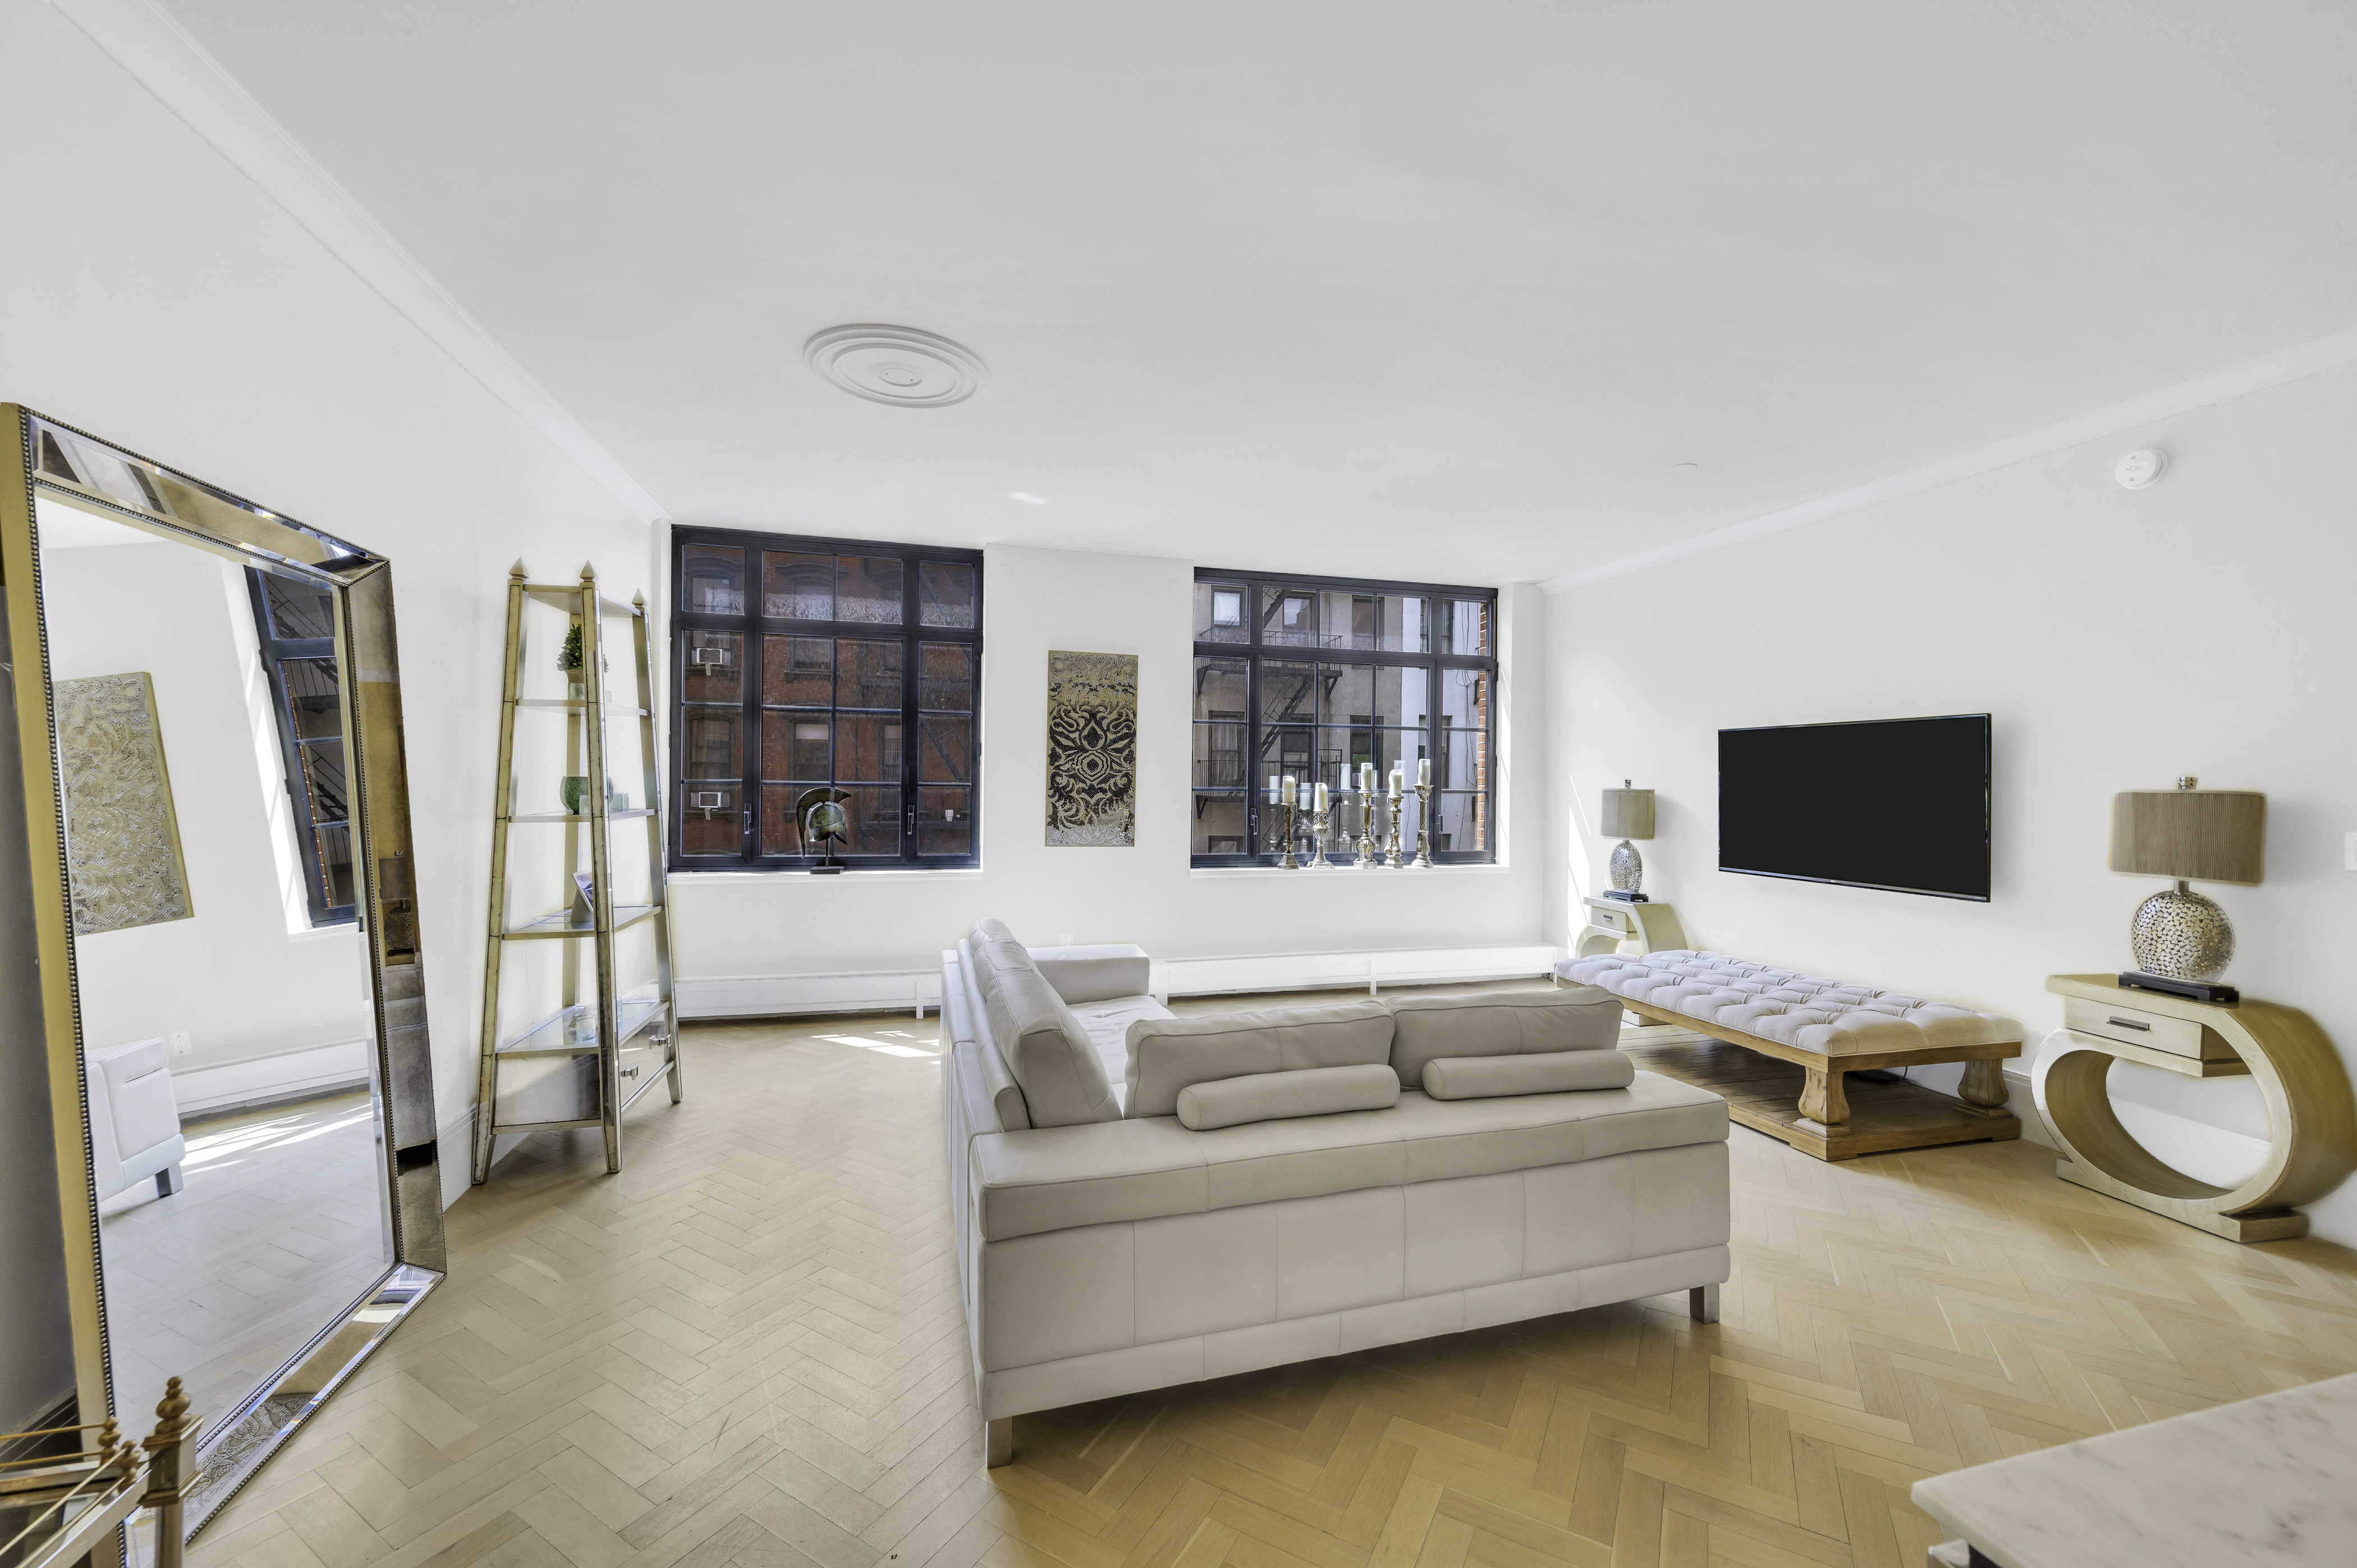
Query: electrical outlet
x=182 y=1044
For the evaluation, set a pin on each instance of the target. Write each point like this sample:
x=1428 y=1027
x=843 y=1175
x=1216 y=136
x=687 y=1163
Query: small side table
x=1611 y=921
x=2311 y=1116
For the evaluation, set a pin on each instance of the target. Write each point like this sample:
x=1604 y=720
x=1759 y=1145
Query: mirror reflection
x=226 y=1018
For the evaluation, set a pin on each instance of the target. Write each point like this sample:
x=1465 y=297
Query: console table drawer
x=2134 y=1026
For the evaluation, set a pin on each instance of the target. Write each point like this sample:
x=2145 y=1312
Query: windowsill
x=1348 y=873
x=863 y=873
x=321 y=933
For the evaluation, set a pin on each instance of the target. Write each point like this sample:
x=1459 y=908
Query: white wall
x=739 y=933
x=2120 y=639
x=152 y=294
x=232 y=976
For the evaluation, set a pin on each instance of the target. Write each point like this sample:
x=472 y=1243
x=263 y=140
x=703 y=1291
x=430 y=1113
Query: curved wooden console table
x=2311 y=1116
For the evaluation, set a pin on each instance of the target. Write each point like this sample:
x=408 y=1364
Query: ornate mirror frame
x=174 y=506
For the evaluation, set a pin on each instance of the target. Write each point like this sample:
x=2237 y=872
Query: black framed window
x=1318 y=676
x=838 y=664
x=297 y=621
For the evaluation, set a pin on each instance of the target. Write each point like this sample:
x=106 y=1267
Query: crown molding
x=162 y=57
x=2290 y=364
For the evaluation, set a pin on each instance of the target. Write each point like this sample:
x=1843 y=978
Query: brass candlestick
x=1318 y=828
x=1423 y=826
x=1367 y=855
x=1290 y=807
x=1396 y=861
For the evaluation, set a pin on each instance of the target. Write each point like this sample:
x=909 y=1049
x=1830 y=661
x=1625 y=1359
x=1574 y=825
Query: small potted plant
x=568 y=658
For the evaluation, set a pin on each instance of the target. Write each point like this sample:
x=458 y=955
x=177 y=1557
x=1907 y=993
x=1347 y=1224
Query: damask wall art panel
x=122 y=839
x=1093 y=748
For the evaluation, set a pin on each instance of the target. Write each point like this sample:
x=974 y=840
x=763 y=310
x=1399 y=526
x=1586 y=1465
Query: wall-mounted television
x=1897 y=804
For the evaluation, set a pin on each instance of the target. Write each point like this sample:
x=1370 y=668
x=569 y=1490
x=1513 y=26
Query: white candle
x=1272 y=790
x=1424 y=770
x=1396 y=781
x=1366 y=778
x=1304 y=797
x=1321 y=801
x=1287 y=788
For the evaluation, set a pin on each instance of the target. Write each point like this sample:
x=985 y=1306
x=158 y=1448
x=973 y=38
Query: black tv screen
x=1898 y=804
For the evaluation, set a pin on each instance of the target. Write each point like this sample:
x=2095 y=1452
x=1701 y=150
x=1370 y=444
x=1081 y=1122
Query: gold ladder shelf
x=574 y=1075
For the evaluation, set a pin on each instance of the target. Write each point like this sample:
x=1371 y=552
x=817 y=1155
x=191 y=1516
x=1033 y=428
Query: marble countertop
x=2271 y=1480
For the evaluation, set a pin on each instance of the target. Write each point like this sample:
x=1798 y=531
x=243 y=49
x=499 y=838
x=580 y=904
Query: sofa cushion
x=1045 y=1047
x=1095 y=973
x=1167 y=1055
x=1055 y=1177
x=1499 y=1023
x=997 y=1079
x=1547 y=1073
x=1107 y=1024
x=1280 y=1096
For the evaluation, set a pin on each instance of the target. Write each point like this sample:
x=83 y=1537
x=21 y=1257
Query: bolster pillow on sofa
x=1272 y=1096
x=1166 y=1055
x=1501 y=1024
x=1550 y=1072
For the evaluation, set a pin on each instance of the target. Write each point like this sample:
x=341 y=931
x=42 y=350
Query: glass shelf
x=576 y=703
x=546 y=1039
x=561 y=924
x=569 y=599
x=579 y=816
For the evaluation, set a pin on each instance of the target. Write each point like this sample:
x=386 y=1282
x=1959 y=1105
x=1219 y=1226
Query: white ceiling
x=1438 y=291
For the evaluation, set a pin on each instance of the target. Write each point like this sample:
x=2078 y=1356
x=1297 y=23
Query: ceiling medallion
x=898 y=365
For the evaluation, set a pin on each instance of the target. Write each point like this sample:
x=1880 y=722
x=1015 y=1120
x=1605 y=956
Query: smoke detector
x=898 y=365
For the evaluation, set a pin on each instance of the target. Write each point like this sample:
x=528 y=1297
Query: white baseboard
x=453 y=1154
x=879 y=991
x=198 y=1089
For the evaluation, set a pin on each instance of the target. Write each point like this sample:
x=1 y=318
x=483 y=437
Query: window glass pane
x=944 y=594
x=712 y=666
x=944 y=749
x=1375 y=694
x=323 y=775
x=796 y=586
x=944 y=821
x=797 y=670
x=1468 y=625
x=1464 y=697
x=311 y=698
x=875 y=821
x=299 y=610
x=867 y=589
x=1398 y=748
x=1220 y=756
x=867 y=748
x=333 y=844
x=1220 y=613
x=711 y=743
x=708 y=820
x=1465 y=760
x=781 y=828
x=712 y=579
x=1460 y=824
x=1347 y=748
x=945 y=677
x=1288 y=692
x=1221 y=825
x=1286 y=750
x=867 y=674
x=1288 y=617
x=1391 y=623
x=1221 y=687
x=795 y=744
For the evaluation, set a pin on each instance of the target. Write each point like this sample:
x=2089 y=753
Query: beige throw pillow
x=1166 y=1055
x=1273 y=1096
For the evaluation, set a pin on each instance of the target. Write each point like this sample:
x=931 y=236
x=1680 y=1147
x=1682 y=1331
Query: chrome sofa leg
x=168 y=1181
x=1702 y=1302
x=998 y=1443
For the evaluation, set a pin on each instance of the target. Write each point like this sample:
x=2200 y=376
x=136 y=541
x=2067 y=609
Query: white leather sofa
x=1143 y=1201
x=134 y=1122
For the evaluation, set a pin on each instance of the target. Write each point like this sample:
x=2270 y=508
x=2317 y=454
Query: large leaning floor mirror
x=223 y=946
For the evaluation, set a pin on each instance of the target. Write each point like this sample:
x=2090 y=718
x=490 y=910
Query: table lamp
x=2181 y=941
x=1630 y=813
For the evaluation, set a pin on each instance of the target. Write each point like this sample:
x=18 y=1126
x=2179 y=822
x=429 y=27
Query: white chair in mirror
x=134 y=1122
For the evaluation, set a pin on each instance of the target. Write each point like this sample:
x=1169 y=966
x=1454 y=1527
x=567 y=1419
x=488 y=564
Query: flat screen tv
x=1897 y=804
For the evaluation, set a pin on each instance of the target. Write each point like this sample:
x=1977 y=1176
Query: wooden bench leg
x=1982 y=1089
x=1822 y=1100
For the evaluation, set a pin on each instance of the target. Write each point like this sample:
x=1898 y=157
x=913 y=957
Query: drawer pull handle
x=2130 y=1024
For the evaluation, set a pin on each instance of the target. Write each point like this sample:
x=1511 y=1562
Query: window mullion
x=751 y=802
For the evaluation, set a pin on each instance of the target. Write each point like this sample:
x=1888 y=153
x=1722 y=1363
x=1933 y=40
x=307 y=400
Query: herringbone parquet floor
x=746 y=1349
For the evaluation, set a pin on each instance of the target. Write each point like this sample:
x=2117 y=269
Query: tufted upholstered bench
x=1826 y=1028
